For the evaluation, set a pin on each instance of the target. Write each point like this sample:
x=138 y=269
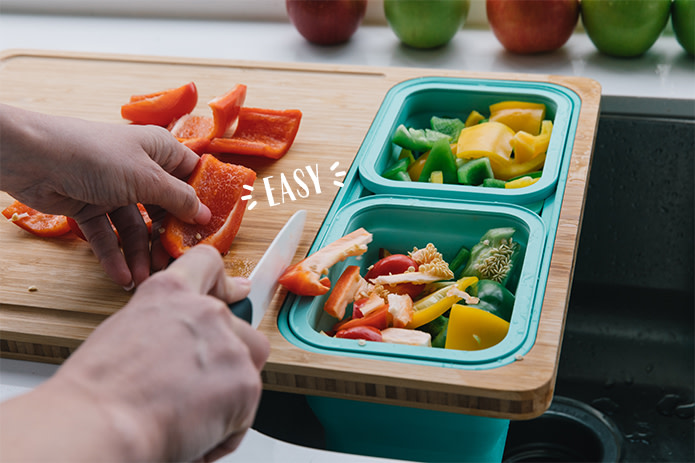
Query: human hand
x=87 y=170
x=174 y=370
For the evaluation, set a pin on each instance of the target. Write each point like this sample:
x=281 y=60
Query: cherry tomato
x=393 y=265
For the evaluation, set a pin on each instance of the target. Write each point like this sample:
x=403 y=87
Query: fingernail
x=203 y=216
x=129 y=286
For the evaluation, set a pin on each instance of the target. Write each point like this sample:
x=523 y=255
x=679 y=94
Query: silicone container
x=415 y=101
x=399 y=224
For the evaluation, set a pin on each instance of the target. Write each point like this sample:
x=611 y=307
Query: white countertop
x=665 y=72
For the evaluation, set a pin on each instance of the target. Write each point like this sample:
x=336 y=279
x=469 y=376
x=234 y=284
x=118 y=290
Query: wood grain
x=338 y=102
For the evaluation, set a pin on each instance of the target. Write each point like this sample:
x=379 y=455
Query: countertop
x=665 y=72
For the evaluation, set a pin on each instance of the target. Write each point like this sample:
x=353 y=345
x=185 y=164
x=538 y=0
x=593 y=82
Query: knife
x=264 y=278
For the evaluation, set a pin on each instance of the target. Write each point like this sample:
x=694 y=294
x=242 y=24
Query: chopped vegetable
x=417 y=139
x=35 y=222
x=441 y=301
x=405 y=336
x=401 y=309
x=519 y=115
x=494 y=298
x=451 y=127
x=219 y=186
x=471 y=328
x=261 y=132
x=475 y=171
x=495 y=256
x=161 y=108
x=306 y=278
x=378 y=318
x=440 y=159
x=368 y=333
x=460 y=259
x=343 y=292
x=527 y=146
x=225 y=110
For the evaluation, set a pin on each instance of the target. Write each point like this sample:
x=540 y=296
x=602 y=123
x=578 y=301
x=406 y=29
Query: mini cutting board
x=54 y=293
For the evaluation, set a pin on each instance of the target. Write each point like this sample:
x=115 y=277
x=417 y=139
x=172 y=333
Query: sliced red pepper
x=189 y=127
x=343 y=292
x=395 y=264
x=197 y=145
x=306 y=277
x=162 y=107
x=261 y=132
x=366 y=305
x=225 y=110
x=219 y=186
x=145 y=217
x=380 y=318
x=33 y=221
x=368 y=333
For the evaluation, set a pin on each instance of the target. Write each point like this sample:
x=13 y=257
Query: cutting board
x=70 y=294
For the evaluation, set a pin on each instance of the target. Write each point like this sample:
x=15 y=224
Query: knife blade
x=264 y=277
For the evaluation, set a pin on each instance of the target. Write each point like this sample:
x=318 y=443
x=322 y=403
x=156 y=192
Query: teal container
x=398 y=224
x=415 y=101
x=412 y=434
x=401 y=215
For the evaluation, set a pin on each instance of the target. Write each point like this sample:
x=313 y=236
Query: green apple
x=624 y=28
x=683 y=19
x=426 y=24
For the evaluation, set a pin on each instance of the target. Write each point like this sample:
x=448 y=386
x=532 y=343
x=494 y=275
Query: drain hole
x=570 y=431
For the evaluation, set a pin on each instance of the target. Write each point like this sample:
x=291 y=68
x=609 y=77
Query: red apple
x=532 y=26
x=326 y=22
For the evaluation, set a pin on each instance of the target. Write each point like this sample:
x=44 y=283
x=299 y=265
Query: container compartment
x=399 y=224
x=415 y=101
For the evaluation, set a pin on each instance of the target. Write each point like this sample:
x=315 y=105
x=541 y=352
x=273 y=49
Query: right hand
x=174 y=366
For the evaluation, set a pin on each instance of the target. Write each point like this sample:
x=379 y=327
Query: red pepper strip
x=189 y=126
x=219 y=186
x=343 y=292
x=261 y=132
x=225 y=110
x=33 y=221
x=162 y=107
x=197 y=145
x=145 y=217
x=379 y=318
x=306 y=277
x=368 y=333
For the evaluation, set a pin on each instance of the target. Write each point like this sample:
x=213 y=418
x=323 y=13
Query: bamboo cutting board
x=72 y=295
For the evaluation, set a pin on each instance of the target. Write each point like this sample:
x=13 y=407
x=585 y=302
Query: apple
x=683 y=19
x=624 y=28
x=426 y=24
x=326 y=22
x=532 y=26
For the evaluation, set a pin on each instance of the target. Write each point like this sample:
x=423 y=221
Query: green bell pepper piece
x=495 y=257
x=401 y=165
x=475 y=171
x=460 y=259
x=417 y=139
x=493 y=183
x=451 y=127
x=494 y=298
x=440 y=158
x=437 y=329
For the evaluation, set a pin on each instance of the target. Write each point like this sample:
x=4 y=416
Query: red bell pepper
x=261 y=132
x=161 y=108
x=368 y=333
x=343 y=292
x=38 y=223
x=306 y=277
x=225 y=110
x=379 y=318
x=219 y=186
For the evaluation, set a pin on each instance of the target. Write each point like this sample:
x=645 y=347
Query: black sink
x=627 y=352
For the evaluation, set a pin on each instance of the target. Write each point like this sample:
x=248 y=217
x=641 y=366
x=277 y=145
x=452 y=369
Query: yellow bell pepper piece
x=521 y=182
x=490 y=139
x=437 y=176
x=471 y=328
x=507 y=170
x=437 y=303
x=527 y=146
x=473 y=118
x=519 y=115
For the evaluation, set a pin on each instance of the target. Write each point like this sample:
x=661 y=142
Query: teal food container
x=403 y=215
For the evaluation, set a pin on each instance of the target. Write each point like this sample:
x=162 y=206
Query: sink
x=627 y=352
x=624 y=389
